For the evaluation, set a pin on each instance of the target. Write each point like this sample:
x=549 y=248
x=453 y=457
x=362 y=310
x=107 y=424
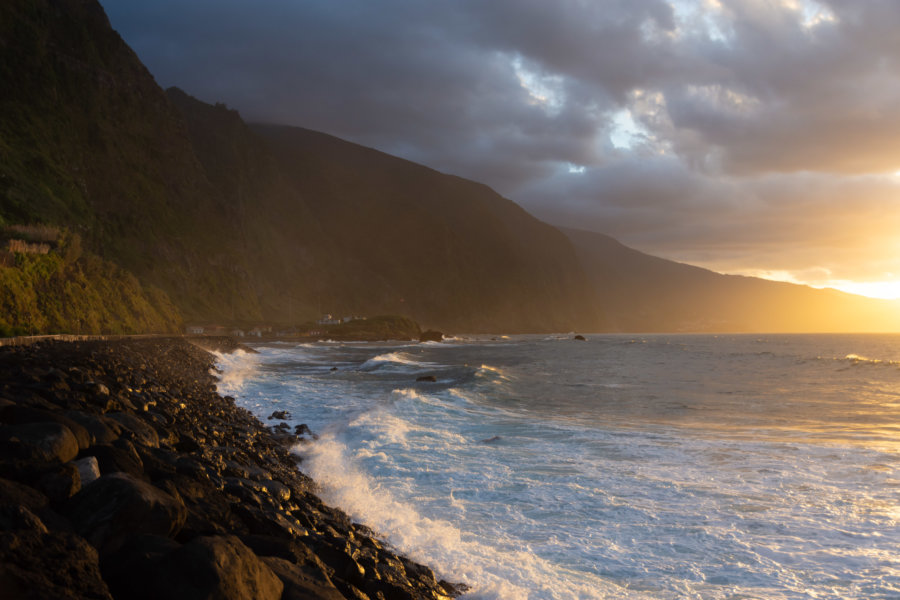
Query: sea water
x=540 y=467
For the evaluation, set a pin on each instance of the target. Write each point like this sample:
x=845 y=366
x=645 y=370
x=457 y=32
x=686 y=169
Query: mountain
x=127 y=208
x=640 y=292
x=241 y=224
x=330 y=226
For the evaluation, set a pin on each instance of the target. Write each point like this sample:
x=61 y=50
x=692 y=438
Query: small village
x=306 y=330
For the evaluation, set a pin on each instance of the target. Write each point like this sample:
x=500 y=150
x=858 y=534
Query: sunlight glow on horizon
x=882 y=290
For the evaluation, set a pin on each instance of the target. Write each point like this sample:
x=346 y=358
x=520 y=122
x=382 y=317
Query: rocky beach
x=124 y=474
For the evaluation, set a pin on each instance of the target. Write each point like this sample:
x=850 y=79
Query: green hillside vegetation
x=71 y=291
x=88 y=141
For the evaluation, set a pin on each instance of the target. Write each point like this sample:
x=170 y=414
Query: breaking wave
x=235 y=370
x=856 y=359
x=393 y=360
x=507 y=572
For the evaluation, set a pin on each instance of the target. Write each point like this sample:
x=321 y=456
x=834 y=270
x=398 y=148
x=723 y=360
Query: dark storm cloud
x=758 y=128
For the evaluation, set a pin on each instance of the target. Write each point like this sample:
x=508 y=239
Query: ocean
x=623 y=466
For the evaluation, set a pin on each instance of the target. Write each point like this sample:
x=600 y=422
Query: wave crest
x=509 y=573
x=393 y=360
x=856 y=359
x=234 y=370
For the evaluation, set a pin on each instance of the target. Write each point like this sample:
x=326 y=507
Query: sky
x=756 y=137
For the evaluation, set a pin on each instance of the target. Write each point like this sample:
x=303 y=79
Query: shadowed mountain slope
x=640 y=292
x=239 y=225
x=245 y=224
x=451 y=251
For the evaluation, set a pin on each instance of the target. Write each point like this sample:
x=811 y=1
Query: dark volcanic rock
x=298 y=584
x=60 y=483
x=38 y=565
x=136 y=429
x=431 y=336
x=118 y=458
x=18 y=494
x=580 y=338
x=49 y=442
x=17 y=414
x=427 y=378
x=118 y=505
x=14 y=517
x=133 y=570
x=103 y=430
x=125 y=450
x=219 y=567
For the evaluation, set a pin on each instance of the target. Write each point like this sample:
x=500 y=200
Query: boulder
x=580 y=338
x=299 y=584
x=427 y=378
x=136 y=429
x=18 y=414
x=133 y=570
x=217 y=567
x=303 y=429
x=58 y=565
x=48 y=441
x=19 y=494
x=119 y=505
x=88 y=469
x=103 y=429
x=118 y=458
x=431 y=336
x=60 y=483
x=13 y=517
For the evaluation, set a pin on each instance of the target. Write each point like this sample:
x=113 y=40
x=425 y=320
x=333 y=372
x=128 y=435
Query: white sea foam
x=236 y=369
x=677 y=467
x=508 y=573
x=493 y=372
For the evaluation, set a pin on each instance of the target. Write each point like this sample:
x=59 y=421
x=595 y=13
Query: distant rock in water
x=280 y=414
x=431 y=336
x=304 y=429
x=580 y=338
x=428 y=378
x=491 y=440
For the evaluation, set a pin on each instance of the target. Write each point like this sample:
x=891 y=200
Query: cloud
x=755 y=128
x=817 y=227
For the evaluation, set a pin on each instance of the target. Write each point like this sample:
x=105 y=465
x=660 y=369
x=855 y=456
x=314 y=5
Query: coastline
x=124 y=474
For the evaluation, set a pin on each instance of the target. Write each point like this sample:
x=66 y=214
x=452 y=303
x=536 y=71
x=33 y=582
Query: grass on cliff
x=71 y=291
